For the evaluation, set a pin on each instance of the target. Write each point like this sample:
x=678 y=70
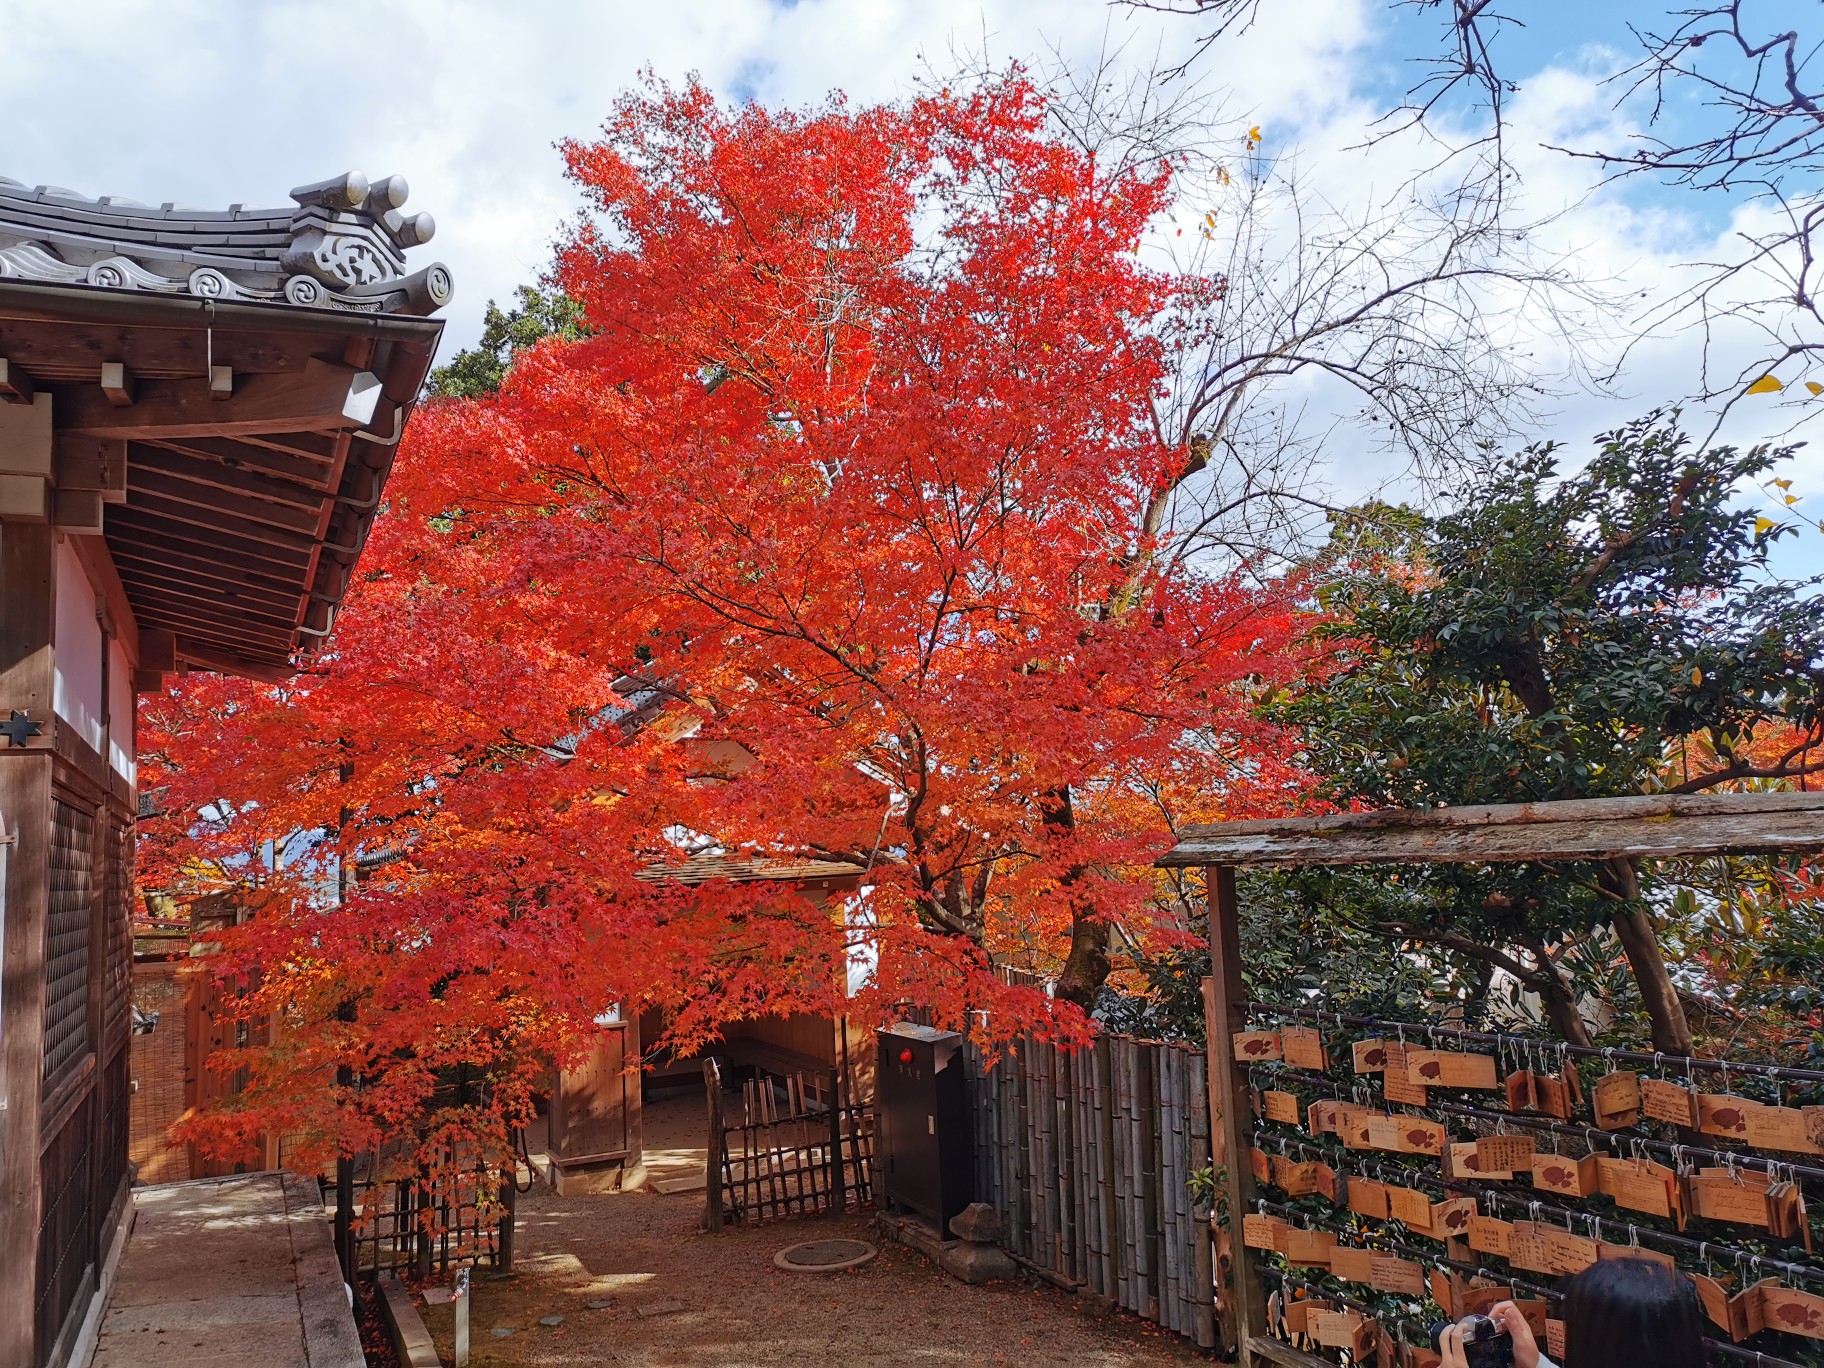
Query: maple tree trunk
x=1561 y=1012
x=1640 y=943
x=1086 y=966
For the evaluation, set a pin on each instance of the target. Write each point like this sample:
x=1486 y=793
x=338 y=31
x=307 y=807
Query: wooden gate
x=210 y=1026
x=595 y=1142
x=788 y=1154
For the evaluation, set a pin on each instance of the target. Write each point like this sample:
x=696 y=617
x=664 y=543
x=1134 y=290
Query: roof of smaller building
x=340 y=245
x=705 y=868
x=1661 y=826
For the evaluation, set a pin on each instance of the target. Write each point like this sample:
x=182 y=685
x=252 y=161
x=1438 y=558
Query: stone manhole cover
x=824 y=1256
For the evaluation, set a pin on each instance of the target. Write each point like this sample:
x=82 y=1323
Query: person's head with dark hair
x=1620 y=1311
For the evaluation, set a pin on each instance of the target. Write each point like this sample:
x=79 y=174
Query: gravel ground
x=680 y=1297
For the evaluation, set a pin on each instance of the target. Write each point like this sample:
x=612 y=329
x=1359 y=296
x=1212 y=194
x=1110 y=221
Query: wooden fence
x=787 y=1154
x=1088 y=1157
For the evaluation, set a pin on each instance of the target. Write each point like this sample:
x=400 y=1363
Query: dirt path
x=679 y=1297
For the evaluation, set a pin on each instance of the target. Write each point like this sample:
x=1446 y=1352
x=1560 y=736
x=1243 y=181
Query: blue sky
x=212 y=103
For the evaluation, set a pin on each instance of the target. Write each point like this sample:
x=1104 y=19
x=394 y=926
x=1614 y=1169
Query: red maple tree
x=825 y=543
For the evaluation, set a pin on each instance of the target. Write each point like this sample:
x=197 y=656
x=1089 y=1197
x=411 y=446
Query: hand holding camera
x=1501 y=1339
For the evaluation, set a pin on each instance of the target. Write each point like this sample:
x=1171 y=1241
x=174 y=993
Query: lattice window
x=117 y=985
x=72 y=913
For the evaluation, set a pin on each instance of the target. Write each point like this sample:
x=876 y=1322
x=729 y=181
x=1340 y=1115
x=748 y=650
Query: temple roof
x=340 y=245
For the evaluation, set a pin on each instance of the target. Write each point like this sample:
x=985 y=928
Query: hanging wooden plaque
x=1615 y=1100
x=1251 y=1047
x=1554 y=1340
x=1792 y=1312
x=1526 y=1248
x=1410 y=1207
x=1280 y=1106
x=1398 y=1087
x=1724 y=1114
x=1368 y=1198
x=1637 y=1184
x=1309 y=1247
x=1443 y=1291
x=1567 y=1177
x=1724 y=1199
x=1259 y=1231
x=1303 y=1048
x=1370 y=1056
x=1261 y=1165
x=1452 y=1069
x=1569 y=1253
x=1605 y=1250
x=1389 y=1273
x=1320 y=1116
x=1351 y=1265
x=1489 y=1235
x=1505 y=1154
x=1780 y=1128
x=1668 y=1102
x=1450 y=1220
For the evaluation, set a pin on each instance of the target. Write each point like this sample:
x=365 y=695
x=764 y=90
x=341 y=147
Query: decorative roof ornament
x=342 y=247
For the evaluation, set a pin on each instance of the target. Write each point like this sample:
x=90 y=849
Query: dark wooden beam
x=158 y=650
x=228 y=662
x=69 y=351
x=230 y=479
x=242 y=453
x=132 y=531
x=225 y=507
x=219 y=524
x=320 y=398
x=134 y=559
x=278 y=606
x=97 y=463
x=77 y=510
x=222 y=580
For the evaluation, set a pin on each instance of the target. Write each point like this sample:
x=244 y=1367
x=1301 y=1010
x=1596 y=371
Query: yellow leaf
x=1254 y=134
x=1791 y=499
x=1766 y=385
x=1782 y=484
x=1697 y=675
x=1210 y=218
x=1222 y=174
x=1762 y=526
x=1814 y=387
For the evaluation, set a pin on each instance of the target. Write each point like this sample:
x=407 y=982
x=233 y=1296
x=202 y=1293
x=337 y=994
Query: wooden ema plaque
x=1615 y=1100
x=1554 y=1340
x=1668 y=1102
x=1309 y=1247
x=1451 y=1069
x=1261 y=1165
x=1742 y=1315
x=1368 y=1198
x=1404 y=1135
x=1443 y=1291
x=1352 y=1265
x=1780 y=1128
x=1370 y=1056
x=1568 y=1253
x=1295 y=1179
x=1450 y=1220
x=1527 y=1249
x=1505 y=1155
x=1724 y=1114
x=1724 y=1198
x=1280 y=1106
x=1637 y=1184
x=1605 y=1250
x=1397 y=1086
x=1490 y=1235
x=1251 y=1047
x=1531 y=1091
x=1567 y=1177
x=1260 y=1231
x=1410 y=1207
x=1389 y=1273
x=1303 y=1048
x=1792 y=1312
x=1343 y=1330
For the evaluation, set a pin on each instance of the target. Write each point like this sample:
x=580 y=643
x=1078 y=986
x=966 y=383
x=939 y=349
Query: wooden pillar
x=712 y=1163
x=1247 y=1295
x=26 y=623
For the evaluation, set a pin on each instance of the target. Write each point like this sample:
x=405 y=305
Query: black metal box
x=926 y=1141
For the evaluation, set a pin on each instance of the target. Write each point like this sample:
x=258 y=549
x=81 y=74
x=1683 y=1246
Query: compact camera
x=1485 y=1344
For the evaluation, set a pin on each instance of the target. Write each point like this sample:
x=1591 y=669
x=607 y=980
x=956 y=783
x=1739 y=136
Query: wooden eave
x=1651 y=827
x=241 y=517
x=700 y=869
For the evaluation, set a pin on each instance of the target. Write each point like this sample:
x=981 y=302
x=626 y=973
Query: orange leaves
x=866 y=606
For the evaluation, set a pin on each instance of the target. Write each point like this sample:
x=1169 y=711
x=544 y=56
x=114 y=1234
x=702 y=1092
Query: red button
x=905 y=1056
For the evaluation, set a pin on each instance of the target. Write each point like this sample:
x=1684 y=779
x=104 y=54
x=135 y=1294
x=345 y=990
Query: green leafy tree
x=480 y=370
x=1562 y=635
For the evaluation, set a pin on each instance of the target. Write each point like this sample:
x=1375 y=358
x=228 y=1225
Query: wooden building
x=202 y=410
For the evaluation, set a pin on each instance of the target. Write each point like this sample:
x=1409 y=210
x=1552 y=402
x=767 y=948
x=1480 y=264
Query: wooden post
x=26 y=618
x=509 y=1216
x=1229 y=1098
x=712 y=1164
x=838 y=1196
